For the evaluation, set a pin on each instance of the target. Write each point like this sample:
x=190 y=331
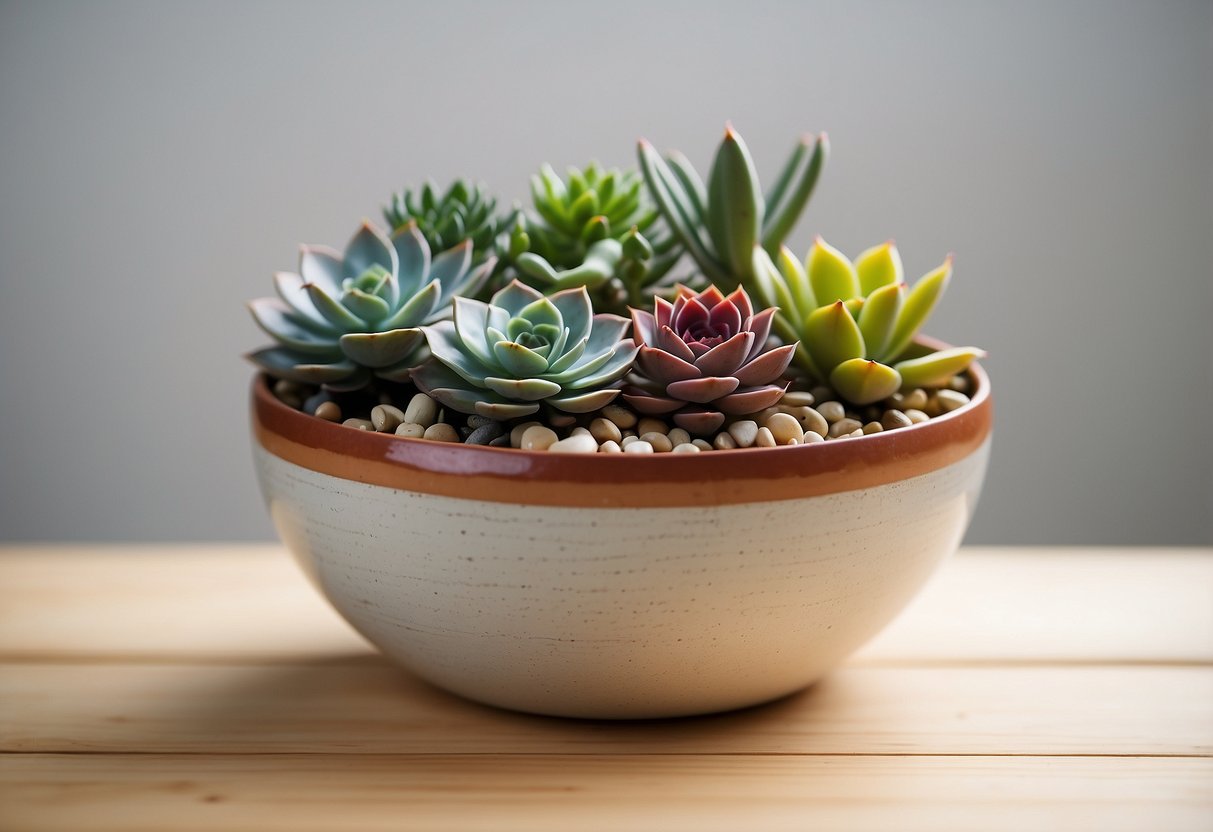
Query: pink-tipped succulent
x=704 y=358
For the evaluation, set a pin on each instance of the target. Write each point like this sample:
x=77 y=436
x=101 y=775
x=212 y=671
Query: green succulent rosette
x=349 y=316
x=463 y=212
x=505 y=358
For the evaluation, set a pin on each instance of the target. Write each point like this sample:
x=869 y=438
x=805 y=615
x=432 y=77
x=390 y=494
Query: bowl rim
x=509 y=475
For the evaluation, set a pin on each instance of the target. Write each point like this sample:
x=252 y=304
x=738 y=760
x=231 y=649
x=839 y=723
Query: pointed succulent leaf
x=334 y=312
x=735 y=205
x=703 y=390
x=576 y=311
x=594 y=229
x=663 y=367
x=542 y=311
x=830 y=273
x=917 y=308
x=518 y=360
x=565 y=359
x=368 y=307
x=581 y=372
x=515 y=297
x=452 y=264
x=879 y=266
x=650 y=404
x=784 y=179
x=413 y=255
x=677 y=210
x=861 y=381
x=290 y=288
x=797 y=280
x=773 y=290
x=936 y=368
x=381 y=349
x=291 y=330
x=368 y=247
x=832 y=337
x=767 y=367
x=879 y=315
x=522 y=389
x=446 y=347
x=279 y=362
x=322 y=266
x=751 y=400
x=470 y=321
x=699 y=422
x=584 y=402
x=726 y=357
x=693 y=187
x=619 y=361
x=782 y=214
x=504 y=411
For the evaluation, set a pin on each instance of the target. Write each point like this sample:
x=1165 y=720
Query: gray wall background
x=158 y=161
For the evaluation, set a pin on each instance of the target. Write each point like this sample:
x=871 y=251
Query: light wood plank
x=251 y=603
x=370 y=706
x=152 y=793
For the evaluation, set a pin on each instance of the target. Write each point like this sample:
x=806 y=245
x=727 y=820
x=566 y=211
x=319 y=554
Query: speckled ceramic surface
x=577 y=601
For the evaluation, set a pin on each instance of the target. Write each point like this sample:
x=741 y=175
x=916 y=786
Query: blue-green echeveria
x=504 y=358
x=349 y=316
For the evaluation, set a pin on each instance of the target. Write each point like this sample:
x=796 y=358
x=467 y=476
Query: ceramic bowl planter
x=619 y=586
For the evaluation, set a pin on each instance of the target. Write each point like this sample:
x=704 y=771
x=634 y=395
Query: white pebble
x=725 y=442
x=441 y=432
x=844 y=426
x=386 y=418
x=359 y=424
x=578 y=443
x=744 y=432
x=422 y=410
x=949 y=400
x=702 y=444
x=604 y=430
x=810 y=438
x=538 y=438
x=784 y=428
x=765 y=438
x=686 y=448
x=410 y=429
x=610 y=447
x=917 y=416
x=628 y=440
x=798 y=398
x=814 y=422
x=518 y=430
x=638 y=447
x=581 y=432
x=620 y=416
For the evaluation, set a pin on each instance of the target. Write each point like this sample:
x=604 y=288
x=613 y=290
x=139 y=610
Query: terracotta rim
x=506 y=475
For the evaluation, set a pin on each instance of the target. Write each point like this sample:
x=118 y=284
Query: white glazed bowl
x=617 y=586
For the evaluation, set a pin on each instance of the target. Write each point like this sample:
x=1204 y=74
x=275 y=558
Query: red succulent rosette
x=705 y=357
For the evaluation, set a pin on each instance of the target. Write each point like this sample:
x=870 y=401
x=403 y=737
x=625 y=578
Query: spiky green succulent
x=505 y=358
x=856 y=322
x=463 y=212
x=598 y=229
x=720 y=224
x=346 y=317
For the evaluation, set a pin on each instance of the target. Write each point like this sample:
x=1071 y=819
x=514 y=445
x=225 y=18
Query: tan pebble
x=386 y=418
x=538 y=438
x=744 y=432
x=795 y=441
x=810 y=437
x=821 y=393
x=686 y=448
x=638 y=447
x=610 y=447
x=959 y=383
x=410 y=429
x=762 y=417
x=441 y=432
x=421 y=410
x=784 y=427
x=897 y=401
x=329 y=411
x=702 y=444
x=660 y=442
x=814 y=422
x=678 y=436
x=764 y=439
x=517 y=431
x=854 y=434
x=724 y=442
x=872 y=427
x=932 y=408
x=916 y=399
x=604 y=430
x=628 y=433
x=831 y=411
x=284 y=388
x=578 y=443
x=360 y=424
x=916 y=416
x=628 y=440
x=948 y=400
x=651 y=425
x=843 y=427
x=562 y=420
x=581 y=432
x=620 y=416
x=798 y=398
x=894 y=419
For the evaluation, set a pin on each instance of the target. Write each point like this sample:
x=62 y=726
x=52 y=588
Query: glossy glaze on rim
x=506 y=475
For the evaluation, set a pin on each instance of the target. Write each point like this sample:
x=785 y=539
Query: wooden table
x=203 y=688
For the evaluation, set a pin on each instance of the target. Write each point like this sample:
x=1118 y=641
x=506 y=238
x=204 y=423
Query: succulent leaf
x=465 y=212
x=832 y=336
x=879 y=315
x=936 y=368
x=918 y=306
x=861 y=381
x=801 y=177
x=830 y=274
x=735 y=204
x=879 y=266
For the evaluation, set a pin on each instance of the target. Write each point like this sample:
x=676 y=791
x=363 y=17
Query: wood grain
x=152 y=793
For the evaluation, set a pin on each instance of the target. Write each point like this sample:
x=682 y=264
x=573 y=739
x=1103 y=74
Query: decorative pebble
x=894 y=419
x=638 y=447
x=765 y=439
x=651 y=425
x=855 y=434
x=844 y=426
x=562 y=420
x=872 y=427
x=329 y=411
x=678 y=436
x=516 y=433
x=441 y=432
x=359 y=424
x=610 y=447
x=478 y=421
x=916 y=399
x=538 y=438
x=581 y=432
x=659 y=441
x=798 y=398
x=702 y=444
x=949 y=400
x=422 y=410
x=783 y=428
x=831 y=411
x=686 y=448
x=485 y=434
x=311 y=403
x=502 y=441
x=821 y=393
x=810 y=437
x=621 y=416
x=628 y=440
x=725 y=442
x=386 y=418
x=410 y=429
x=814 y=422
x=959 y=383
x=578 y=443
x=744 y=432
x=917 y=416
x=604 y=430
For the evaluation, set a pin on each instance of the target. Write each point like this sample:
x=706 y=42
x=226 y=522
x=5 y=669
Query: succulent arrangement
x=538 y=317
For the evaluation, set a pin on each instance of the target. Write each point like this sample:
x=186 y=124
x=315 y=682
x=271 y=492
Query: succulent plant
x=856 y=322
x=504 y=358
x=464 y=212
x=349 y=316
x=720 y=224
x=705 y=357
